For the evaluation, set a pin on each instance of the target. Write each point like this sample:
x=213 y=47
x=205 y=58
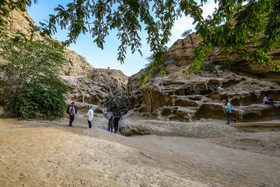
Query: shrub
x=208 y=67
x=29 y=77
x=37 y=100
x=226 y=66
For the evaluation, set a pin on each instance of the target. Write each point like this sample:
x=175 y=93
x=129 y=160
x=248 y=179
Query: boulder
x=134 y=124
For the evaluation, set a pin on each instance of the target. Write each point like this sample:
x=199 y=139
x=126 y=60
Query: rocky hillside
x=106 y=89
x=244 y=84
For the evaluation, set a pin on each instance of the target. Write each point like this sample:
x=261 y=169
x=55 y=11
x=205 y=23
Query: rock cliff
x=106 y=89
x=101 y=87
x=245 y=84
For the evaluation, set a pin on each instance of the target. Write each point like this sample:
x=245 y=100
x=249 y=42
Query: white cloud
x=185 y=23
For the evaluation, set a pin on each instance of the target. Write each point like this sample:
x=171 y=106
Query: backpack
x=67 y=110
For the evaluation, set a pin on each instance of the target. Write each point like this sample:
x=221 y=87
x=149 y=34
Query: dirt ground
x=48 y=153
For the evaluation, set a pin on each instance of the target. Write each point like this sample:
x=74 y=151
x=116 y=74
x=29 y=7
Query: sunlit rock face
x=244 y=84
x=104 y=88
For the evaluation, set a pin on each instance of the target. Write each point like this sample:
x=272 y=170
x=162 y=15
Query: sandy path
x=33 y=155
x=47 y=153
x=214 y=162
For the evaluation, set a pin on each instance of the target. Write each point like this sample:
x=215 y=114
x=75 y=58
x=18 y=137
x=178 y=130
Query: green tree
x=250 y=31
x=30 y=86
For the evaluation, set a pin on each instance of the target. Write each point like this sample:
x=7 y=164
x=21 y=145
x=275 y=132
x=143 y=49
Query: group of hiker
x=205 y=91
x=202 y=91
x=113 y=121
x=72 y=111
x=266 y=100
x=189 y=91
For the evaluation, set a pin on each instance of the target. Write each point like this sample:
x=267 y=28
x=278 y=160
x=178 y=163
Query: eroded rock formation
x=103 y=88
x=245 y=85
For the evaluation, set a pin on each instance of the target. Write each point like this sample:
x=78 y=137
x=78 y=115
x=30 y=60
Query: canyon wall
x=245 y=84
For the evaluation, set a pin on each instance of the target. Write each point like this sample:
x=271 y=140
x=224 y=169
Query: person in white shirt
x=267 y=100
x=89 y=116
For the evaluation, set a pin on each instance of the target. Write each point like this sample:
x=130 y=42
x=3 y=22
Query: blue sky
x=107 y=57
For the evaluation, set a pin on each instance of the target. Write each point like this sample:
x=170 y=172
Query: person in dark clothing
x=215 y=87
x=111 y=124
x=187 y=91
x=209 y=91
x=192 y=90
x=116 y=122
x=202 y=90
x=72 y=112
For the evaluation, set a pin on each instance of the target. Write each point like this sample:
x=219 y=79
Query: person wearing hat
x=89 y=116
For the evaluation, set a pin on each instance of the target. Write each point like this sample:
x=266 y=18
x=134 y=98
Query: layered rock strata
x=245 y=84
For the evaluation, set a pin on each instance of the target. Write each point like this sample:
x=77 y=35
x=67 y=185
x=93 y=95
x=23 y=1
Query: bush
x=37 y=100
x=226 y=66
x=29 y=77
x=1 y=96
x=208 y=67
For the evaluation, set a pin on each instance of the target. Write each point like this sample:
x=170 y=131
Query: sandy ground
x=44 y=153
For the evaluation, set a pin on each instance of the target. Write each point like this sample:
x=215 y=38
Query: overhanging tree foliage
x=29 y=79
x=250 y=31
